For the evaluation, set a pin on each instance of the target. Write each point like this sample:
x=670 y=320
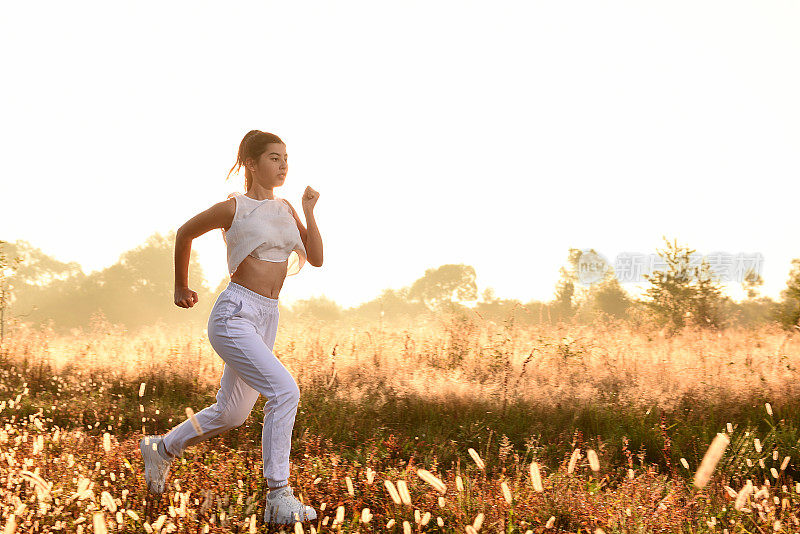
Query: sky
x=495 y=135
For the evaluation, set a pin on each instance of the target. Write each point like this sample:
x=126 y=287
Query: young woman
x=266 y=241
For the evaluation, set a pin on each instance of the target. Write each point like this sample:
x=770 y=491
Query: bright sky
x=436 y=132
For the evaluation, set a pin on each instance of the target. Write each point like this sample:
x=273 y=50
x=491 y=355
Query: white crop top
x=266 y=230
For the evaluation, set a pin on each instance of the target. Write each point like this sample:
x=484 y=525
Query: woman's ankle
x=273 y=485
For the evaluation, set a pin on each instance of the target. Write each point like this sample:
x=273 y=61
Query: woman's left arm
x=312 y=240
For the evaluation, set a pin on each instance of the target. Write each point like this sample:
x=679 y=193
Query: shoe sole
x=268 y=517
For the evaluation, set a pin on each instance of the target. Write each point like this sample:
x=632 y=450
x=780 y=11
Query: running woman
x=266 y=242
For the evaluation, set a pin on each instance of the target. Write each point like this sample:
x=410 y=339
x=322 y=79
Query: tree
x=609 y=297
x=448 y=284
x=135 y=291
x=565 y=303
x=683 y=293
x=788 y=313
x=752 y=281
x=7 y=269
x=321 y=308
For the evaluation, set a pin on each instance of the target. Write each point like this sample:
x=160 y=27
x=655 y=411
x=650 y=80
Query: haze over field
x=435 y=133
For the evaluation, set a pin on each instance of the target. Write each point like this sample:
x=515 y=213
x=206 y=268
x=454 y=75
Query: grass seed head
x=594 y=463
x=506 y=492
x=431 y=479
x=405 y=496
x=576 y=454
x=99 y=523
x=392 y=491
x=195 y=423
x=710 y=459
x=477 y=458
x=478 y=522
x=536 y=477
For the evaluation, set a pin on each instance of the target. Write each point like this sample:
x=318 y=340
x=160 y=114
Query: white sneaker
x=156 y=468
x=283 y=508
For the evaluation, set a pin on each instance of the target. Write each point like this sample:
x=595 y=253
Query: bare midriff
x=264 y=277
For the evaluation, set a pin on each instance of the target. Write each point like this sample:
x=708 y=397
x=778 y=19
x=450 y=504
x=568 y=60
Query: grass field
x=381 y=403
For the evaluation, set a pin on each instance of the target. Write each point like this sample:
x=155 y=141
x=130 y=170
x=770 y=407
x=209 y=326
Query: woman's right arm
x=219 y=215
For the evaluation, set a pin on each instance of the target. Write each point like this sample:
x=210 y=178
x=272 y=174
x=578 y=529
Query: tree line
x=138 y=290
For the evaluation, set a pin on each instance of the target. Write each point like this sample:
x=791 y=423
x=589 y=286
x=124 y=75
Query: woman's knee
x=288 y=395
x=232 y=418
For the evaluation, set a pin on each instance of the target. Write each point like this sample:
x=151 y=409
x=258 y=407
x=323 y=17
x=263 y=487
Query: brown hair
x=253 y=144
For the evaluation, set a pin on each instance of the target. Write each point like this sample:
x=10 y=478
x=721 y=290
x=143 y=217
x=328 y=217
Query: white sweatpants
x=242 y=328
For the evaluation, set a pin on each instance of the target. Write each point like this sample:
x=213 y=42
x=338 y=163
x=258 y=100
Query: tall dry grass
x=72 y=474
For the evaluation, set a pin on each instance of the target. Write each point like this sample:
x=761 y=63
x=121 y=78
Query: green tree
x=683 y=293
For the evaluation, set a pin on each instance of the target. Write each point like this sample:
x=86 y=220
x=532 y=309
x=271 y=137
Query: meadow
x=448 y=424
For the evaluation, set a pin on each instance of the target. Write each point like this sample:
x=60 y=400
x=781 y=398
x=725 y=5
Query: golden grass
x=101 y=490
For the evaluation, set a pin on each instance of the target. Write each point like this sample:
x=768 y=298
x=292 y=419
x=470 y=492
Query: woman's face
x=272 y=165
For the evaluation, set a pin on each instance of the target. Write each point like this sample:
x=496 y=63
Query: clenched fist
x=185 y=297
x=310 y=197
